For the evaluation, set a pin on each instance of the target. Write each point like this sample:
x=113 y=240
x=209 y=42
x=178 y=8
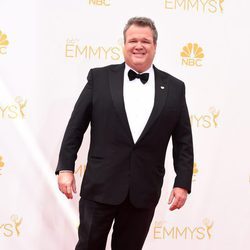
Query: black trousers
x=131 y=225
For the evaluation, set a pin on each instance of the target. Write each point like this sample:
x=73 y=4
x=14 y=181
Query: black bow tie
x=143 y=77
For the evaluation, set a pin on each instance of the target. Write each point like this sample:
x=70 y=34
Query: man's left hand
x=177 y=198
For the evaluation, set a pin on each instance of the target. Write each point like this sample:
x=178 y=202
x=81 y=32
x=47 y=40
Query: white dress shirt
x=138 y=100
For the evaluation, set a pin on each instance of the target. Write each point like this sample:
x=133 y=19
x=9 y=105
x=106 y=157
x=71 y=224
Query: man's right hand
x=66 y=184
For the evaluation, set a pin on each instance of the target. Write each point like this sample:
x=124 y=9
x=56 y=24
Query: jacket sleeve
x=183 y=148
x=76 y=128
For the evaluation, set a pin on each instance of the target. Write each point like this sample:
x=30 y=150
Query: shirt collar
x=127 y=68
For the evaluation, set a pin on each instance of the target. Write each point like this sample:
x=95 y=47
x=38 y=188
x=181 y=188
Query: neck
x=139 y=69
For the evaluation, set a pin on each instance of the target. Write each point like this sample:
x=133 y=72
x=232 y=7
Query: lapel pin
x=162 y=87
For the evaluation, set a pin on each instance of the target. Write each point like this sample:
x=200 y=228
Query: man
x=134 y=109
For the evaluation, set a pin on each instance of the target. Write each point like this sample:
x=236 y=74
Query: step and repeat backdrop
x=46 y=50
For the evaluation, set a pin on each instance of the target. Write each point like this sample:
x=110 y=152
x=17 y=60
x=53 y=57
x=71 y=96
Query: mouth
x=139 y=55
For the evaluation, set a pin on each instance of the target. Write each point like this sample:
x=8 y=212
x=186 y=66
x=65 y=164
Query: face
x=139 y=48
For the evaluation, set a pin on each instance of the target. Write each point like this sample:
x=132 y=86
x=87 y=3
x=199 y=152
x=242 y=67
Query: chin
x=139 y=62
x=139 y=67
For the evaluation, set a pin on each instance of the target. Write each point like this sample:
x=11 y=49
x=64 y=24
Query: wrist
x=65 y=171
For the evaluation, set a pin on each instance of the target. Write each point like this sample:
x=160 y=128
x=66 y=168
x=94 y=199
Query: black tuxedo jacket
x=116 y=165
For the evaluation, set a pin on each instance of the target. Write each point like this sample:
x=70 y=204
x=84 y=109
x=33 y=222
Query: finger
x=66 y=183
x=65 y=190
x=62 y=188
x=174 y=205
x=74 y=186
x=60 y=185
x=177 y=202
x=69 y=196
x=171 y=197
x=69 y=192
x=181 y=203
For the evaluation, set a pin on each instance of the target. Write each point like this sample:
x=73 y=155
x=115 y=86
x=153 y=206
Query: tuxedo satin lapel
x=161 y=92
x=116 y=77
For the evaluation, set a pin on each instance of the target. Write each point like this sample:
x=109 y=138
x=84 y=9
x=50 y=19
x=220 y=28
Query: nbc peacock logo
x=3 y=43
x=192 y=55
x=1 y=164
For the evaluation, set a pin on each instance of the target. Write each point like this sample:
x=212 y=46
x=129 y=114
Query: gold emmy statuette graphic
x=22 y=103
x=206 y=120
x=81 y=170
x=17 y=221
x=221 y=7
x=209 y=224
x=1 y=164
x=215 y=113
x=195 y=171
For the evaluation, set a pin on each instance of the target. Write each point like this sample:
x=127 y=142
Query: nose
x=138 y=45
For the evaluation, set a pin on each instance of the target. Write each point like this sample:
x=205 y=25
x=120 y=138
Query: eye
x=132 y=41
